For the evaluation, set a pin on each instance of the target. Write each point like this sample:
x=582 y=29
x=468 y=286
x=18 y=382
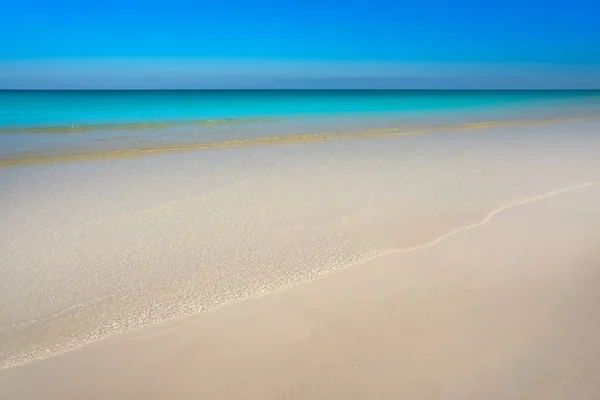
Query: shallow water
x=63 y=123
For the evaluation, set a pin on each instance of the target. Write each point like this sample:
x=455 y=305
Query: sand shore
x=451 y=264
x=507 y=309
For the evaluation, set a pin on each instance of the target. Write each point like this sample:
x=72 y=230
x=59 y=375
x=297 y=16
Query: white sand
x=96 y=249
x=508 y=309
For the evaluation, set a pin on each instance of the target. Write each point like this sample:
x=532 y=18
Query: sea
x=38 y=126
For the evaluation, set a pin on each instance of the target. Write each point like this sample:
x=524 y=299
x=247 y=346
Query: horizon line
x=295 y=89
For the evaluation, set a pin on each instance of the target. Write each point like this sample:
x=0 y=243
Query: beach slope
x=504 y=309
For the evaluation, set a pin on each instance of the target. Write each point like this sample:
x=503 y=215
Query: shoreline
x=458 y=230
x=315 y=338
x=94 y=249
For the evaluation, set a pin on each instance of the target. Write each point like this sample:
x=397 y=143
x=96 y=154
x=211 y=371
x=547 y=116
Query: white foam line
x=489 y=216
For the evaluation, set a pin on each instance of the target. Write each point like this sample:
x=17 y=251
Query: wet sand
x=505 y=309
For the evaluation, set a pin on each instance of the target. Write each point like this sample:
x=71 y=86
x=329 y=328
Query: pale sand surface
x=98 y=248
x=508 y=309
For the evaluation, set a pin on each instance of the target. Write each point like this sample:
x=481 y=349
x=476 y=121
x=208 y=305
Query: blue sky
x=278 y=43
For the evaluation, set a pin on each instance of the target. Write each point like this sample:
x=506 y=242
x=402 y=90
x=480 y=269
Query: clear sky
x=300 y=43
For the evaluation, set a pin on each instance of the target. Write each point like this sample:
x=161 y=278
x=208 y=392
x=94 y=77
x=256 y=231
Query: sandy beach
x=263 y=200
x=454 y=265
x=487 y=313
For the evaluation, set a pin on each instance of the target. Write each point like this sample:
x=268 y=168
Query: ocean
x=68 y=109
x=35 y=125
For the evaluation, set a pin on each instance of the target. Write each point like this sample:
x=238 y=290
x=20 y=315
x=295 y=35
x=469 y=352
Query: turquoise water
x=27 y=109
x=57 y=122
